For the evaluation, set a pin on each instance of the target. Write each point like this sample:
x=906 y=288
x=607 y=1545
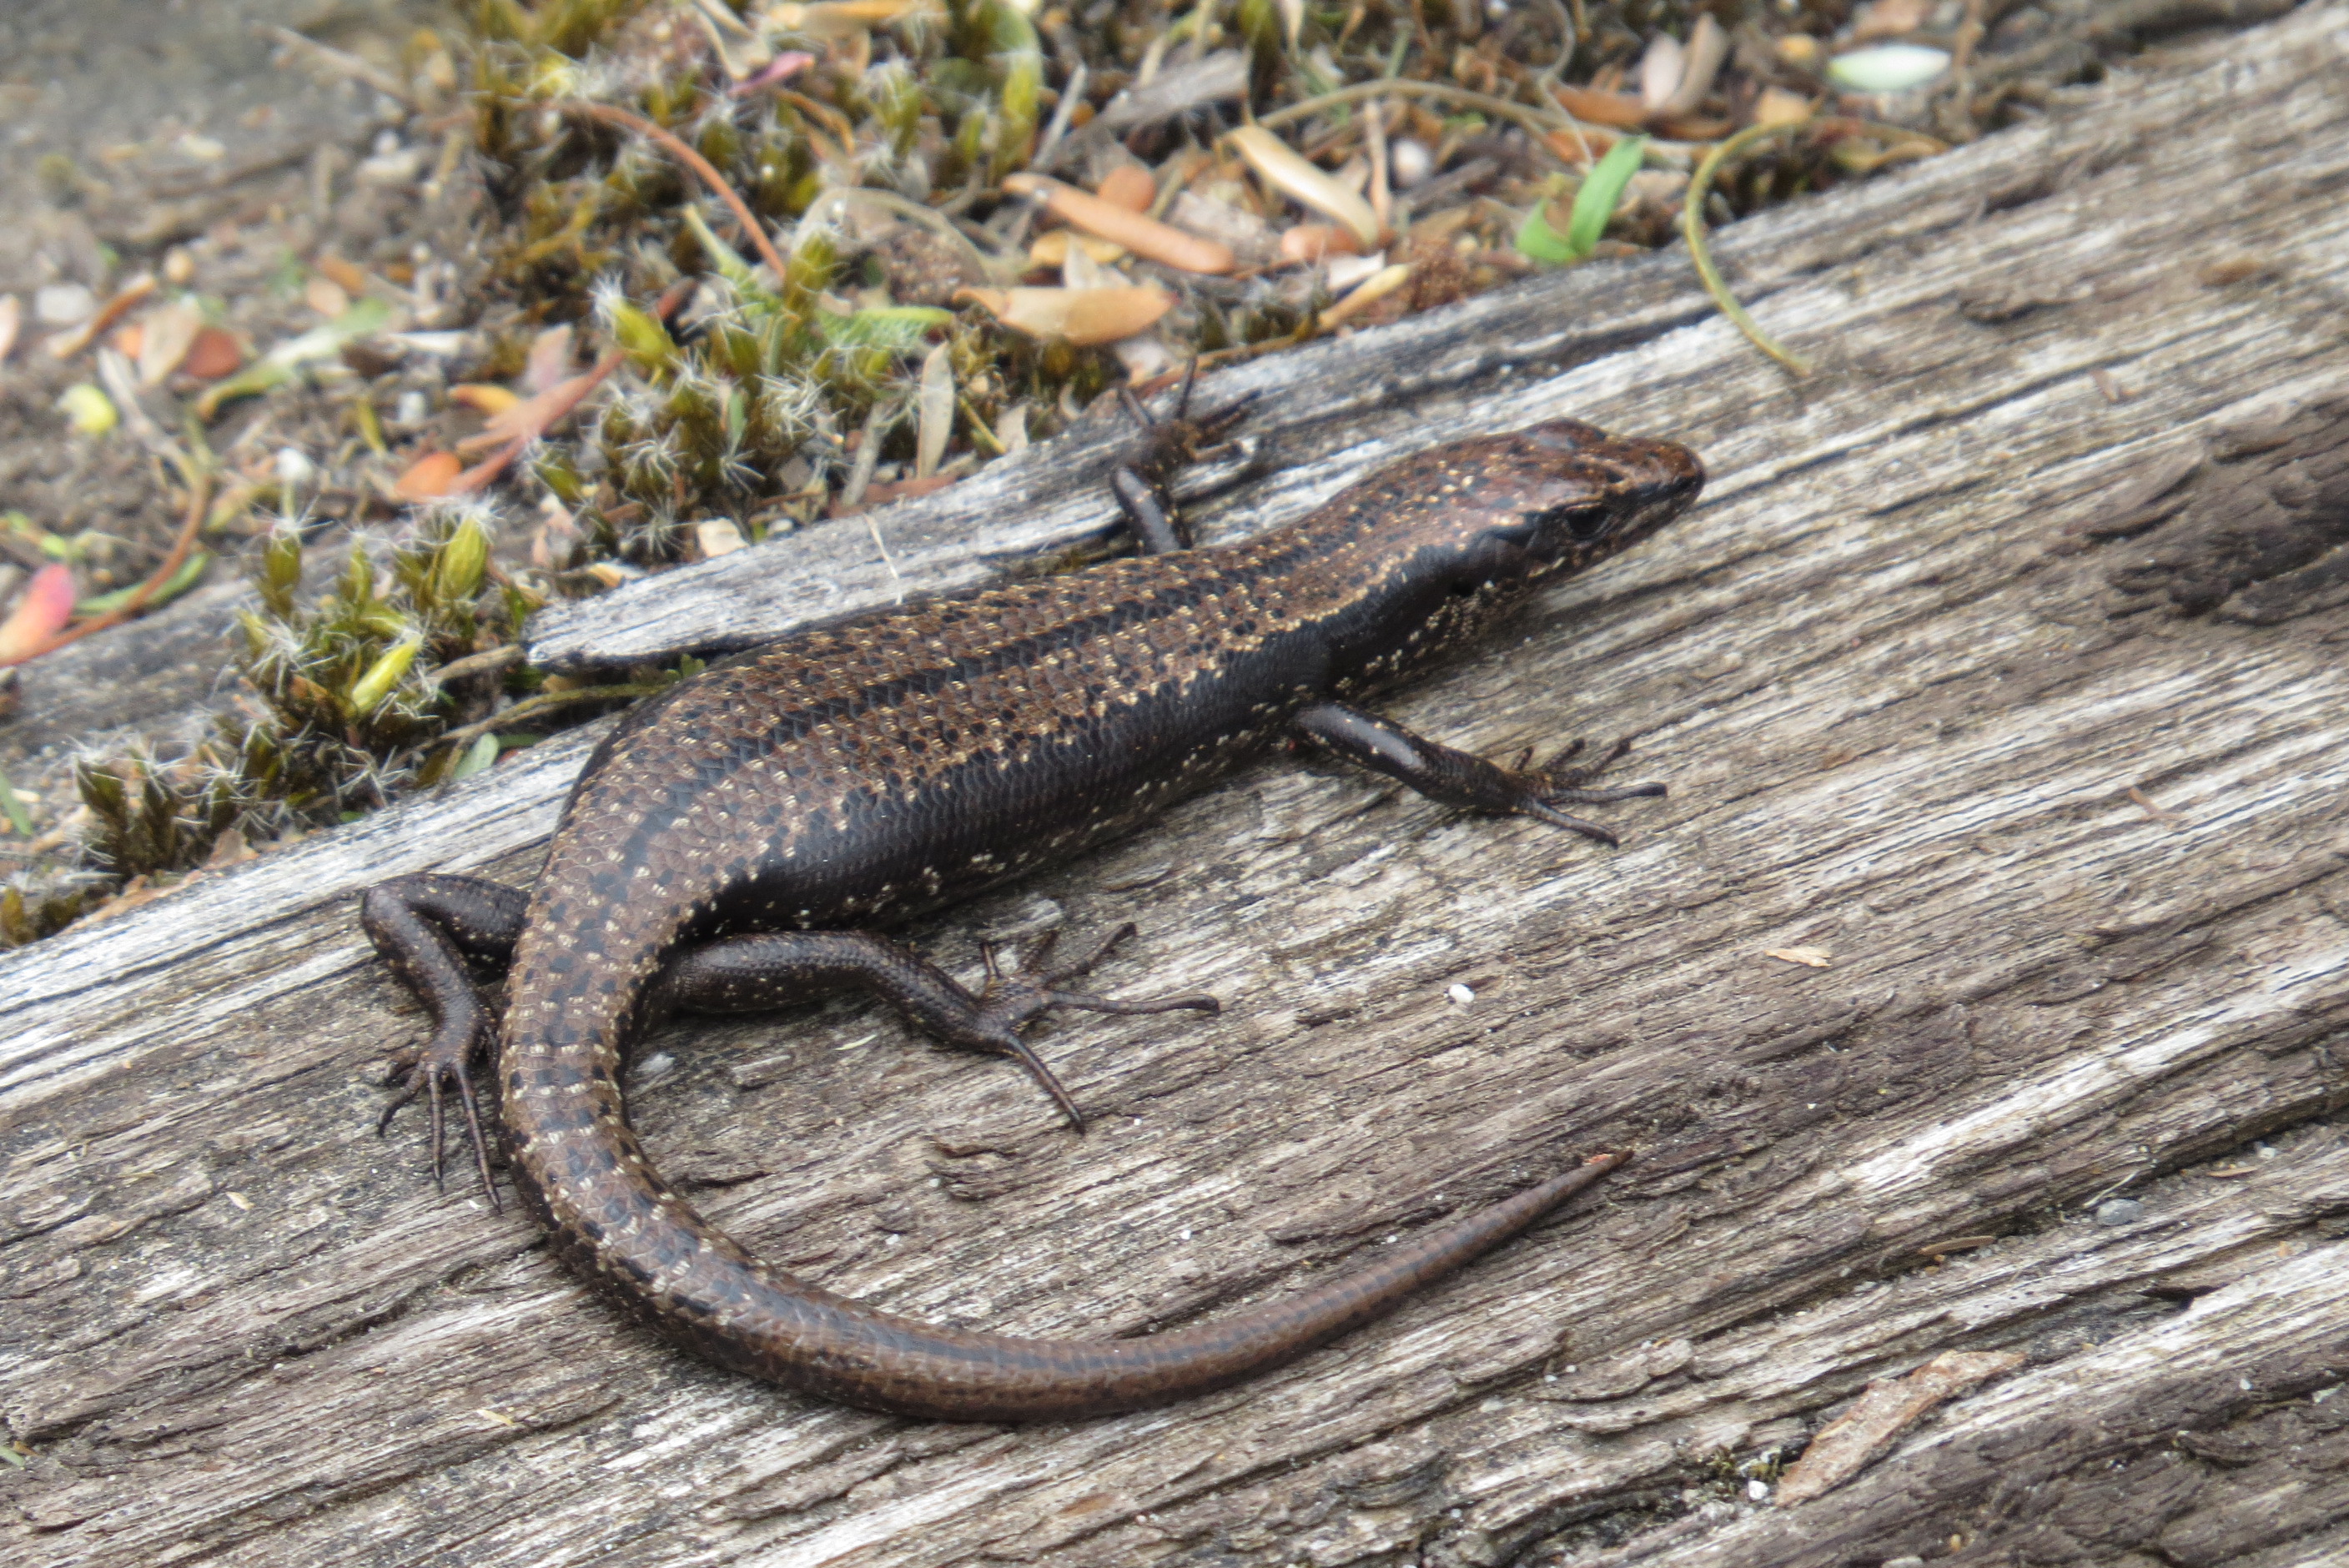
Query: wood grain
x=2078 y=870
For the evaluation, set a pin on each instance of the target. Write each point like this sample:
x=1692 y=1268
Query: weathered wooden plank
x=1901 y=726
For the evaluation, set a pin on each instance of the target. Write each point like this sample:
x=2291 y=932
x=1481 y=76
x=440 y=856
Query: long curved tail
x=698 y=1286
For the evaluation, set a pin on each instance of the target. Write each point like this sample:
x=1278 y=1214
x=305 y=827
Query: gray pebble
x=2115 y=1211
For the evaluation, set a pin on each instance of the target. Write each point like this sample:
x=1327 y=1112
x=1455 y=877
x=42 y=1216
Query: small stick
x=677 y=148
x=1693 y=230
x=1374 y=142
x=200 y=501
x=547 y=702
x=1533 y=119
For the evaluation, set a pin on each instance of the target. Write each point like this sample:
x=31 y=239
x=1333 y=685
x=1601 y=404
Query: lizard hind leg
x=427 y=927
x=772 y=969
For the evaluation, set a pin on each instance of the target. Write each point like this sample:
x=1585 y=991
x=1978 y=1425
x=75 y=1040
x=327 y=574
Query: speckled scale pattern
x=855 y=774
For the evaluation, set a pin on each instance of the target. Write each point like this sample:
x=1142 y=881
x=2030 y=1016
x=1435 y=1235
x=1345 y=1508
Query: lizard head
x=1553 y=498
x=1442 y=544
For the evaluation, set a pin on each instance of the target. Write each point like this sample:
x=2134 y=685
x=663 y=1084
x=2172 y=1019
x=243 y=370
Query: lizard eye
x=1584 y=522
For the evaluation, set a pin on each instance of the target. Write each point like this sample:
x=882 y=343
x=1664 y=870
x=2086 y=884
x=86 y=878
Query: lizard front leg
x=1459 y=778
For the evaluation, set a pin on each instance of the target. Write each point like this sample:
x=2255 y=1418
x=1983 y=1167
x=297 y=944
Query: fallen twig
x=1693 y=230
x=707 y=171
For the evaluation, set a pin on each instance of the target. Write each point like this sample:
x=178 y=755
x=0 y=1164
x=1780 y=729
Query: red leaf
x=40 y=616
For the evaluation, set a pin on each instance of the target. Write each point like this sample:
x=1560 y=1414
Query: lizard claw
x=1011 y=1000
x=1554 y=784
x=427 y=1073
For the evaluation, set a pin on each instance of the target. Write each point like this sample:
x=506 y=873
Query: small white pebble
x=62 y=305
x=1758 y=1490
x=1409 y=162
x=411 y=408
x=1461 y=996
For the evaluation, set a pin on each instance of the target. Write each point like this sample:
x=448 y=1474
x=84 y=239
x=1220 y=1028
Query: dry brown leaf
x=550 y=360
x=325 y=296
x=1707 y=50
x=527 y=418
x=1889 y=19
x=66 y=344
x=170 y=332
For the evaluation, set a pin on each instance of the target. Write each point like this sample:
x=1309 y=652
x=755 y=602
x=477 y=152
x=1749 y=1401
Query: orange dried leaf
x=1083 y=317
x=345 y=275
x=1129 y=186
x=527 y=418
x=40 y=616
x=1145 y=236
x=1315 y=242
x=1624 y=110
x=429 y=478
x=484 y=398
x=215 y=353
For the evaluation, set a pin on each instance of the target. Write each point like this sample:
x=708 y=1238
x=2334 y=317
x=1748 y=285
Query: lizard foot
x=431 y=1071
x=1555 y=784
x=1012 y=999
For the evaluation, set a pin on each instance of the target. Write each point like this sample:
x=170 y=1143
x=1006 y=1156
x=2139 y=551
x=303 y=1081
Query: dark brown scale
x=723 y=840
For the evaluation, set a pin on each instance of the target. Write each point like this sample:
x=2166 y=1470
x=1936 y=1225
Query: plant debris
x=643 y=281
